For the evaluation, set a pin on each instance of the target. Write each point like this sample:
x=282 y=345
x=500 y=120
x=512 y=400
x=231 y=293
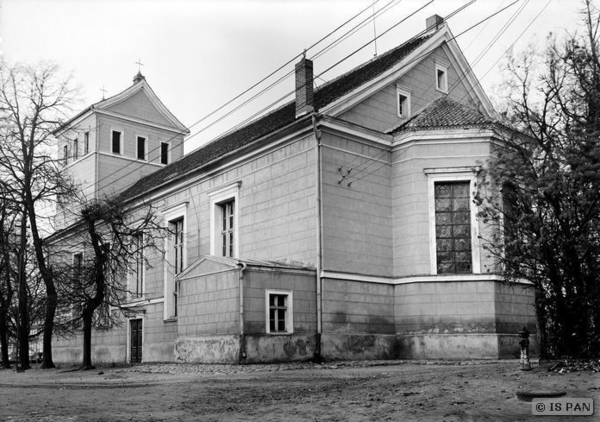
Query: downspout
x=96 y=157
x=319 y=286
x=243 y=354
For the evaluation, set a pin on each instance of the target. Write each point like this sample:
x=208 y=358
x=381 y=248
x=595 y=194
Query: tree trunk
x=51 y=301
x=48 y=277
x=23 y=328
x=4 y=341
x=87 y=340
x=23 y=324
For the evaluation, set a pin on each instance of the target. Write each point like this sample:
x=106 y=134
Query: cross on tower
x=140 y=64
x=103 y=91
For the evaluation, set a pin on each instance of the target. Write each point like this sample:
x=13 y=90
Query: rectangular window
x=75 y=149
x=177 y=232
x=441 y=78
x=164 y=153
x=77 y=266
x=175 y=258
x=141 y=148
x=227 y=228
x=224 y=221
x=403 y=97
x=86 y=143
x=137 y=282
x=116 y=142
x=453 y=227
x=279 y=312
x=65 y=155
x=176 y=227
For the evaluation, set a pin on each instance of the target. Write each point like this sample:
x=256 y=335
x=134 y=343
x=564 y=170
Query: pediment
x=208 y=264
x=139 y=102
x=441 y=39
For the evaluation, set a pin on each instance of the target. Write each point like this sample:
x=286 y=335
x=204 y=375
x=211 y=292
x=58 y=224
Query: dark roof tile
x=445 y=112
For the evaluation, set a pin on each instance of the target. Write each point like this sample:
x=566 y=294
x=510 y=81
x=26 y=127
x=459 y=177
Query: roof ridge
x=275 y=119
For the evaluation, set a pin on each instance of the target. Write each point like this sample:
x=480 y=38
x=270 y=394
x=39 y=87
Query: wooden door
x=136 y=340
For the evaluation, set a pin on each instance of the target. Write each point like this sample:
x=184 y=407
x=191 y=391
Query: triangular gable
x=140 y=102
x=443 y=37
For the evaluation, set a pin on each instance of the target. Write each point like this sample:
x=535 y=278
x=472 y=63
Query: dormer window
x=403 y=98
x=441 y=78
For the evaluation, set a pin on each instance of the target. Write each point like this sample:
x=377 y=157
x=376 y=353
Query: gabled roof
x=444 y=112
x=273 y=121
x=140 y=84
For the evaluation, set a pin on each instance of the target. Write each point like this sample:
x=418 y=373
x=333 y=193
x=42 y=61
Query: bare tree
x=8 y=272
x=117 y=242
x=33 y=102
x=548 y=223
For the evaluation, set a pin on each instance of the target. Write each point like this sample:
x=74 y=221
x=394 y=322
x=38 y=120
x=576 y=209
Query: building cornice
x=141 y=121
x=418 y=279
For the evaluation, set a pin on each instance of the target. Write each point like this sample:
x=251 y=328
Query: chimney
x=304 y=87
x=434 y=22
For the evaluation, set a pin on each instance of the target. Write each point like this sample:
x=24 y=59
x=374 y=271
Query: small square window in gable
x=403 y=102
x=441 y=78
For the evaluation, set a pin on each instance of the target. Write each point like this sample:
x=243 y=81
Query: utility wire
x=279 y=100
x=247 y=90
x=456 y=84
x=511 y=20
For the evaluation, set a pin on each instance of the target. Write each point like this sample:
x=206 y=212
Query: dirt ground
x=343 y=391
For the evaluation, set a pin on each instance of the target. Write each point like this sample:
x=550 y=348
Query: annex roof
x=445 y=112
x=209 y=264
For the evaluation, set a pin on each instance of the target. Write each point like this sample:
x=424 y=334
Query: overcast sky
x=197 y=55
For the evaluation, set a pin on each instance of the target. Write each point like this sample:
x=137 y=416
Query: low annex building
x=341 y=225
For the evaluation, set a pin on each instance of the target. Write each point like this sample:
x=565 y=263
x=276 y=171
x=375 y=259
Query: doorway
x=136 y=340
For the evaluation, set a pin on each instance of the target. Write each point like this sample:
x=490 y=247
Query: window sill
x=281 y=334
x=173 y=319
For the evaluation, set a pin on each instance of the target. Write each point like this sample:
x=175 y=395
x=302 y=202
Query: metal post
x=524 y=343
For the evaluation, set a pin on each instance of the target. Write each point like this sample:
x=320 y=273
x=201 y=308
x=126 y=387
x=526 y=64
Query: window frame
x=65 y=157
x=168 y=155
x=79 y=269
x=403 y=111
x=137 y=147
x=140 y=264
x=217 y=199
x=121 y=142
x=439 y=67
x=86 y=142
x=289 y=320
x=76 y=149
x=461 y=174
x=170 y=288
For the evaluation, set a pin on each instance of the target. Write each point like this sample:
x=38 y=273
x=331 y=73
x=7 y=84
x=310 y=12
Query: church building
x=341 y=225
